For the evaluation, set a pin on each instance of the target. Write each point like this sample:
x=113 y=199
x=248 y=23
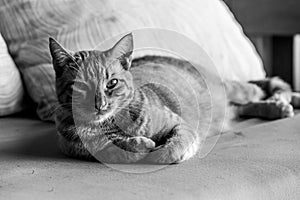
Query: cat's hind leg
x=241 y=93
x=267 y=109
x=179 y=145
x=277 y=103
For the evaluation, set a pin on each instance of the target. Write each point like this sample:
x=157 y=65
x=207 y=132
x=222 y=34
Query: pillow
x=26 y=26
x=11 y=89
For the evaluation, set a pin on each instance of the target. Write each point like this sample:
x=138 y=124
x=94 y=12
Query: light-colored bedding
x=254 y=162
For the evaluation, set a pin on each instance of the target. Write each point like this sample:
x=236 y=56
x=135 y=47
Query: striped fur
x=160 y=111
x=85 y=24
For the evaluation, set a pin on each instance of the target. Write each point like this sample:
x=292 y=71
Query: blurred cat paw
x=287 y=111
x=280 y=109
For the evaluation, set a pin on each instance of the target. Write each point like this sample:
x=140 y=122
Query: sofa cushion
x=11 y=88
x=27 y=24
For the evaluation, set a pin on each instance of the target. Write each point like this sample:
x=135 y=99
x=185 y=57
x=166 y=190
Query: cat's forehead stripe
x=96 y=65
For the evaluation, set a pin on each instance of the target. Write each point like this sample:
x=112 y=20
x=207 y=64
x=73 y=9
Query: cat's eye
x=112 y=83
x=78 y=57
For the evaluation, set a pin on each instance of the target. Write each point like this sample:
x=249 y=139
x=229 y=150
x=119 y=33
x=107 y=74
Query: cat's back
x=177 y=74
x=180 y=85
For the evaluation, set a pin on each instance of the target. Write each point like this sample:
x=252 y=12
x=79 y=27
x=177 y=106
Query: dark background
x=271 y=25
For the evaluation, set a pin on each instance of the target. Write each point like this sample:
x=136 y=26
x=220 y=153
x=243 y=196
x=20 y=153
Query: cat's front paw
x=165 y=154
x=141 y=144
x=129 y=150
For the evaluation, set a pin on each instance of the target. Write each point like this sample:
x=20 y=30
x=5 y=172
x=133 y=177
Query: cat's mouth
x=92 y=115
x=102 y=116
x=101 y=112
x=102 y=109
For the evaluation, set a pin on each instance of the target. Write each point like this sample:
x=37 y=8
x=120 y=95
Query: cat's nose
x=100 y=103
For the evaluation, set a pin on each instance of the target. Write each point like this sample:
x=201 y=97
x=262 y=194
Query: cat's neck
x=135 y=105
x=131 y=112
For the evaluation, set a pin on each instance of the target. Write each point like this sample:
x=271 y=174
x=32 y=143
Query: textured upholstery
x=11 y=88
x=83 y=24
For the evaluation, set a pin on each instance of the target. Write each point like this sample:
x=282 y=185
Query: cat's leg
x=120 y=150
x=74 y=149
x=280 y=101
x=240 y=93
x=276 y=105
x=178 y=145
x=136 y=144
x=276 y=89
x=125 y=150
x=266 y=109
x=115 y=148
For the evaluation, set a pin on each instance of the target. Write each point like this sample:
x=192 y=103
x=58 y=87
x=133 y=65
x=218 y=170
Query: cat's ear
x=60 y=56
x=123 y=50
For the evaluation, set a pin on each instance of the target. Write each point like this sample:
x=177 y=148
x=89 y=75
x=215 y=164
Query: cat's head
x=93 y=84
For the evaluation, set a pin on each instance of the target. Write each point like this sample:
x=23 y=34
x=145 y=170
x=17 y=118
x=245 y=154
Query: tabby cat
x=123 y=111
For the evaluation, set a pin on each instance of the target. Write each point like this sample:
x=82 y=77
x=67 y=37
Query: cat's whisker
x=63 y=105
x=129 y=109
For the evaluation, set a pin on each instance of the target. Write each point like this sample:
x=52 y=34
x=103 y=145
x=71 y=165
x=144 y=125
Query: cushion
x=26 y=26
x=11 y=89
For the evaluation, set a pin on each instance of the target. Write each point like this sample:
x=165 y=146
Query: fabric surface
x=11 y=88
x=253 y=163
x=81 y=24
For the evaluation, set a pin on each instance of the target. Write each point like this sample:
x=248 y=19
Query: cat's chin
x=100 y=118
